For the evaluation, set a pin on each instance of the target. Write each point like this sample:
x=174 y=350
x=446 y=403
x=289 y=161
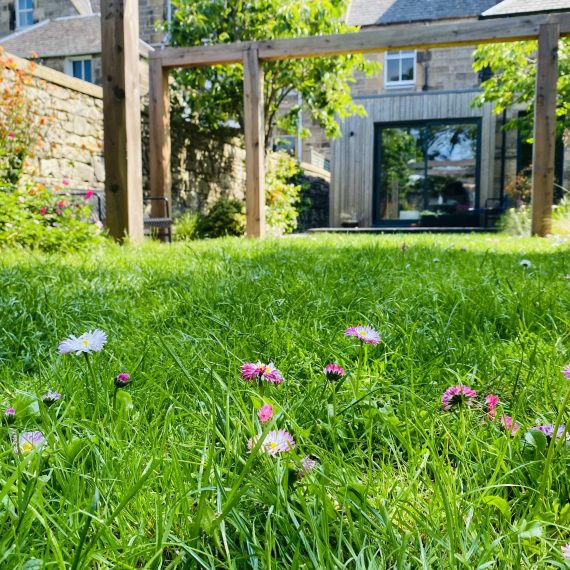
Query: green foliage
x=36 y=217
x=185 y=226
x=225 y=218
x=213 y=96
x=163 y=480
x=513 y=81
x=282 y=190
x=517 y=221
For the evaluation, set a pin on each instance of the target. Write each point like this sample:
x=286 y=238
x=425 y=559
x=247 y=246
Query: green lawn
x=163 y=478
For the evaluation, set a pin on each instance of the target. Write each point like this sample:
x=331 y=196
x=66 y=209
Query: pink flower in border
x=334 y=372
x=508 y=424
x=457 y=396
x=11 y=135
x=28 y=441
x=307 y=465
x=566 y=372
x=265 y=413
x=365 y=334
x=89 y=194
x=276 y=441
x=91 y=341
x=566 y=551
x=492 y=402
x=260 y=371
x=65 y=182
x=43 y=211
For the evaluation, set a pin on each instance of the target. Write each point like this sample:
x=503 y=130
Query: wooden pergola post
x=544 y=129
x=122 y=118
x=254 y=143
x=159 y=132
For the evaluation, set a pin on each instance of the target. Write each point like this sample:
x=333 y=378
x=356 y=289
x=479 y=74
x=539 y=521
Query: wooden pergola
x=546 y=28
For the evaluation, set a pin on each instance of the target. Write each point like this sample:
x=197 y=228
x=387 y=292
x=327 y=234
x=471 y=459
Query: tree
x=513 y=68
x=212 y=97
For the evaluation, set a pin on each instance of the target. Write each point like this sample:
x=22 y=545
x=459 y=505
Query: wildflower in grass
x=435 y=260
x=28 y=441
x=91 y=341
x=122 y=379
x=457 y=396
x=566 y=372
x=265 y=413
x=548 y=431
x=51 y=398
x=508 y=424
x=276 y=441
x=492 y=402
x=525 y=263
x=365 y=334
x=307 y=465
x=10 y=415
x=260 y=371
x=566 y=551
x=11 y=135
x=334 y=372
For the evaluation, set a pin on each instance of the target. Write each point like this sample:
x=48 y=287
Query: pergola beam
x=544 y=129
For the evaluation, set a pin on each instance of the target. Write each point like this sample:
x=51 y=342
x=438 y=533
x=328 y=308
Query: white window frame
x=19 y=13
x=399 y=56
x=68 y=66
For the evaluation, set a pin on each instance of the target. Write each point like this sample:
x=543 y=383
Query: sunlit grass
x=163 y=478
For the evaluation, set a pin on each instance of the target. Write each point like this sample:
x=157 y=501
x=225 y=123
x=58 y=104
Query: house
x=423 y=153
x=66 y=34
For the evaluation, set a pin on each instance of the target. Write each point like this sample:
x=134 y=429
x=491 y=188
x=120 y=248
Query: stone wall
x=71 y=150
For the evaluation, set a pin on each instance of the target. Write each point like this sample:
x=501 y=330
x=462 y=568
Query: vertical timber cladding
x=121 y=118
x=351 y=191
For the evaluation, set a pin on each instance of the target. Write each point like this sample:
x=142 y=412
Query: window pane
x=77 y=71
x=393 y=70
x=407 y=69
x=87 y=70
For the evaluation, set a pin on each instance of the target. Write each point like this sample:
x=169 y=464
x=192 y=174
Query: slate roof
x=386 y=12
x=520 y=7
x=61 y=37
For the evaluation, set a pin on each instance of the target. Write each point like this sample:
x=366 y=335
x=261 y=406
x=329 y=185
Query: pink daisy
x=566 y=372
x=122 y=379
x=50 y=398
x=457 y=396
x=508 y=424
x=566 y=551
x=276 y=441
x=548 y=431
x=265 y=413
x=91 y=341
x=28 y=441
x=260 y=371
x=492 y=402
x=10 y=415
x=307 y=465
x=365 y=334
x=334 y=372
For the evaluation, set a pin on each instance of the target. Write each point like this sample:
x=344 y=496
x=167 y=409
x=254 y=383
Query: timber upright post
x=122 y=118
x=544 y=129
x=254 y=143
x=159 y=134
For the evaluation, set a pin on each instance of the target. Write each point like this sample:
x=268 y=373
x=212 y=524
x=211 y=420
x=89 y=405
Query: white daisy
x=91 y=341
x=525 y=263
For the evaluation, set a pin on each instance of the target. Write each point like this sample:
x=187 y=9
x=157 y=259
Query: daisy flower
x=508 y=424
x=50 y=398
x=492 y=402
x=307 y=465
x=365 y=334
x=566 y=372
x=525 y=263
x=10 y=415
x=548 y=431
x=334 y=372
x=265 y=413
x=28 y=441
x=566 y=551
x=122 y=379
x=260 y=371
x=91 y=341
x=276 y=441
x=457 y=396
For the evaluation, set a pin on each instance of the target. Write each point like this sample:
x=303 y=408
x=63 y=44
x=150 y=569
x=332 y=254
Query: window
x=80 y=68
x=400 y=68
x=24 y=13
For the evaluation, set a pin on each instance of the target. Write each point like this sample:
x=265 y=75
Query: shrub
x=36 y=217
x=225 y=218
x=185 y=226
x=282 y=190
